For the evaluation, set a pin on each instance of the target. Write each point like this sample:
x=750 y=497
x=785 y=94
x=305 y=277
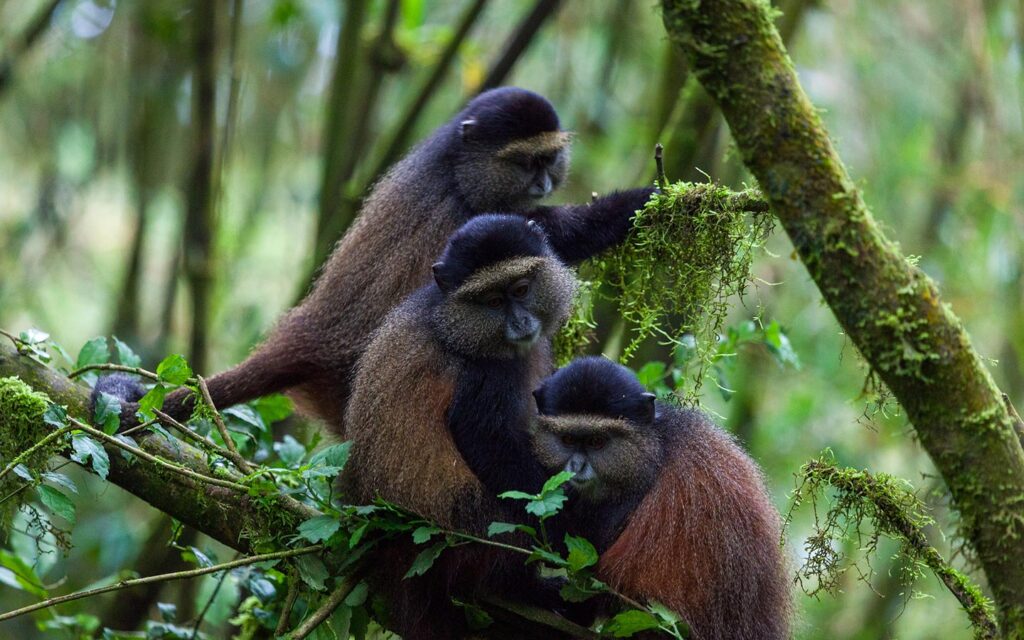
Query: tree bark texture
x=890 y=309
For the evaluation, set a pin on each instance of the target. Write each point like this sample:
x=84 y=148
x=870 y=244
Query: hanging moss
x=688 y=253
x=889 y=505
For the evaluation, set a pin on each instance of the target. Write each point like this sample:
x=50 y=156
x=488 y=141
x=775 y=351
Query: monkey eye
x=520 y=289
x=597 y=442
x=494 y=301
x=568 y=440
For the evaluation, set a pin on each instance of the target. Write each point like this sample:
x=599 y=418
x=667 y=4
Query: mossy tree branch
x=224 y=514
x=890 y=309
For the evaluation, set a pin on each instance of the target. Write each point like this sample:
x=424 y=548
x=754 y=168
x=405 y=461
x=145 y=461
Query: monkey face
x=609 y=457
x=515 y=176
x=502 y=310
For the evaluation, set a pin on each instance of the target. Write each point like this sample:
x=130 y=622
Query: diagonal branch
x=890 y=309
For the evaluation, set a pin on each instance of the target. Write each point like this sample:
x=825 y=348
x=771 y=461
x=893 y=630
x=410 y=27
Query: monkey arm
x=579 y=231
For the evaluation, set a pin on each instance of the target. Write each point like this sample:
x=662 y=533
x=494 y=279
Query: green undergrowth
x=21 y=413
x=688 y=253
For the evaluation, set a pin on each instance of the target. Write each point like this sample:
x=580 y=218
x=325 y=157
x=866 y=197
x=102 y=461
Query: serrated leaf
x=94 y=351
x=556 y=481
x=498 y=528
x=174 y=370
x=546 y=556
x=56 y=415
x=125 y=355
x=312 y=571
x=57 y=502
x=424 y=534
x=107 y=413
x=426 y=559
x=86 y=450
x=629 y=623
x=319 y=528
x=548 y=505
x=582 y=554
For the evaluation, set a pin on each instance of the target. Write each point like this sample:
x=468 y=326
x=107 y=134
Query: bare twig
x=659 y=163
x=36 y=447
x=170 y=466
x=209 y=603
x=107 y=366
x=189 y=434
x=138 y=427
x=232 y=452
x=289 y=602
x=165 y=577
x=326 y=609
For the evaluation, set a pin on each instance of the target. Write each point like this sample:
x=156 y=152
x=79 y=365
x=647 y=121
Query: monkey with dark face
x=677 y=511
x=440 y=410
x=502 y=153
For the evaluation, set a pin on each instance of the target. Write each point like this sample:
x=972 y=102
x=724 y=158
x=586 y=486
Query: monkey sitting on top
x=502 y=153
x=677 y=511
x=440 y=410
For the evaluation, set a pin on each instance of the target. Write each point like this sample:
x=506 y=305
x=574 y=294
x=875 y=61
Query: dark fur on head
x=503 y=115
x=678 y=512
x=596 y=386
x=484 y=241
x=123 y=386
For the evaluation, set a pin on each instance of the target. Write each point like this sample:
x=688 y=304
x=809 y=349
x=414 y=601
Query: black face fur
x=596 y=386
x=511 y=151
x=502 y=288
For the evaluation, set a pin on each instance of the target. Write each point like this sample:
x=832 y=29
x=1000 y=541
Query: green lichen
x=21 y=426
x=688 y=253
x=892 y=509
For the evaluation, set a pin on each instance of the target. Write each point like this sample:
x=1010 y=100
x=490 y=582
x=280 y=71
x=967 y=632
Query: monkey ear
x=442 y=284
x=649 y=406
x=466 y=127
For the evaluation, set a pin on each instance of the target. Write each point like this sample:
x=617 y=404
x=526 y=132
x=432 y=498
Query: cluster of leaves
x=688 y=253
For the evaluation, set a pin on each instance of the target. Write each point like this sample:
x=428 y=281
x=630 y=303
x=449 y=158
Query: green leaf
x=664 y=613
x=652 y=374
x=498 y=528
x=174 y=370
x=107 y=413
x=197 y=557
x=168 y=611
x=274 y=408
x=25 y=473
x=333 y=456
x=154 y=399
x=262 y=588
x=780 y=346
x=95 y=351
x=357 y=596
x=357 y=535
x=516 y=495
x=556 y=481
x=57 y=502
x=546 y=556
x=424 y=534
x=60 y=480
x=17 y=573
x=548 y=505
x=88 y=450
x=426 y=559
x=290 y=451
x=630 y=622
x=319 y=528
x=582 y=554
x=246 y=415
x=312 y=571
x=56 y=415
x=125 y=355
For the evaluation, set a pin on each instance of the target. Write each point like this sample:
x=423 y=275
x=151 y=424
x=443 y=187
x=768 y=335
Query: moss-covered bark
x=238 y=521
x=890 y=309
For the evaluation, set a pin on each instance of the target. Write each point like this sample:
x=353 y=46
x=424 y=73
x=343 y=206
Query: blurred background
x=103 y=112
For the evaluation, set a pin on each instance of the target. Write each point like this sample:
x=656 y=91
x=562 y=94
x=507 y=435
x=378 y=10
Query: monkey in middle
x=502 y=153
x=440 y=410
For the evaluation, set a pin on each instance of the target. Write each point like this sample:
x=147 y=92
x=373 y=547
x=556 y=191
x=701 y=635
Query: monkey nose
x=523 y=333
x=541 y=187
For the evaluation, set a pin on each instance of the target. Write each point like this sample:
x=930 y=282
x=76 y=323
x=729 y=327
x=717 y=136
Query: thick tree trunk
x=889 y=308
